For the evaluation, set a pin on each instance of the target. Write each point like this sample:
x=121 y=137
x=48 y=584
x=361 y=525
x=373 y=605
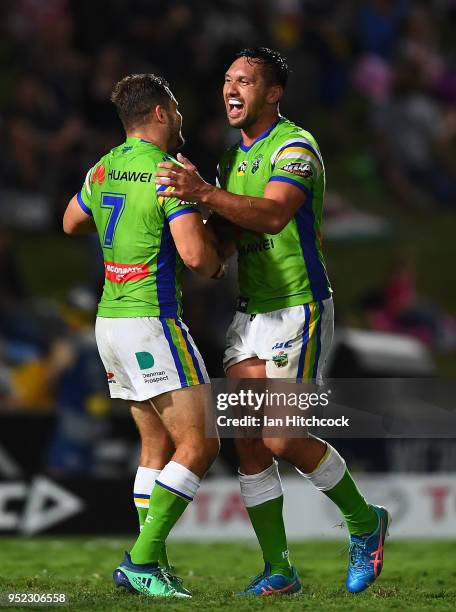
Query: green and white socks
x=174 y=488
x=263 y=498
x=142 y=489
x=332 y=477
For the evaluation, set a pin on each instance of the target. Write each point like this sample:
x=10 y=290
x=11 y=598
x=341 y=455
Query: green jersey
x=287 y=269
x=142 y=266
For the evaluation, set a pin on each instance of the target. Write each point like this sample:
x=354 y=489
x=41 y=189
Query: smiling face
x=246 y=94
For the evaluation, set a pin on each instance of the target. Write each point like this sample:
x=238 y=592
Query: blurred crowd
x=381 y=73
x=61 y=58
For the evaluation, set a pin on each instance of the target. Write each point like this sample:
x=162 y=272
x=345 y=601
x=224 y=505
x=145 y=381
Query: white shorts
x=294 y=341
x=146 y=356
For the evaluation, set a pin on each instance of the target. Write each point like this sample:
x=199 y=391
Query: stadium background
x=375 y=82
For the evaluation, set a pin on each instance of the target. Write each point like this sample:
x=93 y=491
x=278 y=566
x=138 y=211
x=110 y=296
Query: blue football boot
x=266 y=584
x=366 y=554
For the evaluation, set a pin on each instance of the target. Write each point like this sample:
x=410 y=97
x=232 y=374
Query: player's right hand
x=186 y=182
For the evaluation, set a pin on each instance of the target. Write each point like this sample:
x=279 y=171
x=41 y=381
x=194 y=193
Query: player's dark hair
x=275 y=67
x=136 y=95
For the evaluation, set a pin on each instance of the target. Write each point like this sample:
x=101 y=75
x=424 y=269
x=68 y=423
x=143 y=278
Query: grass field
x=417 y=575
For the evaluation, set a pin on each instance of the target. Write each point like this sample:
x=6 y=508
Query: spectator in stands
x=379 y=26
x=79 y=387
x=414 y=136
x=401 y=309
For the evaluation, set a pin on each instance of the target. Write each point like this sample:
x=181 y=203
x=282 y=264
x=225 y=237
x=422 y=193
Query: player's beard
x=177 y=142
x=175 y=138
x=242 y=123
x=180 y=140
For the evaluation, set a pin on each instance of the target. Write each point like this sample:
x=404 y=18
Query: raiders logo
x=256 y=164
x=299 y=168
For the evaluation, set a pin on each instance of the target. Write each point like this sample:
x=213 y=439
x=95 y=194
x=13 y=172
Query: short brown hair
x=135 y=96
x=275 y=67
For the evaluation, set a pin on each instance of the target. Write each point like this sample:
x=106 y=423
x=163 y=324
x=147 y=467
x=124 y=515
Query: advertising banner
x=421 y=506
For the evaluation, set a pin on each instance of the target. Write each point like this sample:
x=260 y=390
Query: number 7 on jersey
x=116 y=202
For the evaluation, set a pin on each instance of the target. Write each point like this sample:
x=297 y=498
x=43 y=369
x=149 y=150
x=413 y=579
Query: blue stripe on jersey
x=187 y=497
x=305 y=343
x=179 y=212
x=140 y=496
x=85 y=208
x=192 y=352
x=288 y=179
x=175 y=354
x=246 y=148
x=303 y=145
x=321 y=309
x=166 y=274
x=305 y=221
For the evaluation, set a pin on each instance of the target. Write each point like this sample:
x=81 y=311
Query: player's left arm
x=76 y=220
x=268 y=214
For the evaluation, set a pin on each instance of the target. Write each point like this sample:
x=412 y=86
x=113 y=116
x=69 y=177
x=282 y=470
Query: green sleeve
x=174 y=207
x=298 y=162
x=84 y=197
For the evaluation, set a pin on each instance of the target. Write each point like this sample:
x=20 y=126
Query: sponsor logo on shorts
x=282 y=345
x=155 y=377
x=281 y=360
x=298 y=168
x=124 y=273
x=145 y=360
x=111 y=377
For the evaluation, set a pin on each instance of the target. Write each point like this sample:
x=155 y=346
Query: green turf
x=417 y=575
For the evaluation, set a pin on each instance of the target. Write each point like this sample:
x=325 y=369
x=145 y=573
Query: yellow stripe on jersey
x=161 y=198
x=302 y=151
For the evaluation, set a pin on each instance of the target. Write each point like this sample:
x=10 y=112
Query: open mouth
x=235 y=108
